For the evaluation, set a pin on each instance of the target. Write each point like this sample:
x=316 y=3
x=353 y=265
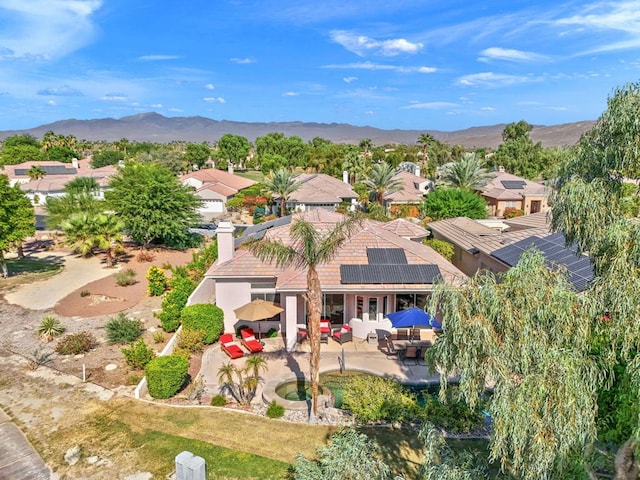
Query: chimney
x=417 y=174
x=345 y=177
x=230 y=167
x=226 y=242
x=74 y=163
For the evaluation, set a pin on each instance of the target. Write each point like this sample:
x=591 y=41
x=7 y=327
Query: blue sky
x=408 y=64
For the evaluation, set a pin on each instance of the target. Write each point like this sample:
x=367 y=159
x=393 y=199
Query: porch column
x=291 y=321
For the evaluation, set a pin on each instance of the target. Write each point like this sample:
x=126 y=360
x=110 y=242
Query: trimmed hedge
x=205 y=317
x=166 y=375
x=174 y=301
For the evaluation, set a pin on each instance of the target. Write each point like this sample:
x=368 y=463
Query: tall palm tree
x=309 y=248
x=365 y=145
x=425 y=140
x=380 y=180
x=80 y=185
x=36 y=172
x=87 y=232
x=355 y=165
x=282 y=183
x=467 y=173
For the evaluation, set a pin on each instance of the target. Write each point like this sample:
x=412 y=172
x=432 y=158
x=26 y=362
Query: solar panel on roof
x=394 y=274
x=386 y=256
x=513 y=184
x=50 y=170
x=552 y=247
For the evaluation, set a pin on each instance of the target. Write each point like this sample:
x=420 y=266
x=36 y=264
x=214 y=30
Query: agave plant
x=49 y=328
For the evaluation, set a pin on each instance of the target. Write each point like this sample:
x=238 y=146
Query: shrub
x=512 y=212
x=126 y=277
x=157 y=281
x=272 y=333
x=182 y=352
x=85 y=293
x=138 y=354
x=190 y=340
x=76 y=343
x=49 y=328
x=145 y=256
x=218 y=400
x=205 y=317
x=446 y=249
x=275 y=410
x=174 y=301
x=454 y=415
x=166 y=375
x=371 y=399
x=122 y=329
x=158 y=337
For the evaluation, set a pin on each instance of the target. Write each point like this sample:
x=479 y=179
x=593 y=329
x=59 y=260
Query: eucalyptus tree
x=308 y=249
x=17 y=219
x=281 y=183
x=467 y=173
x=381 y=180
x=233 y=148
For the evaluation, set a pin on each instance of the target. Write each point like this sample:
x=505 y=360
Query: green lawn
x=28 y=269
x=254 y=175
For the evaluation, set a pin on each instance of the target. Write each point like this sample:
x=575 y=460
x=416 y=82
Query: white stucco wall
x=229 y=296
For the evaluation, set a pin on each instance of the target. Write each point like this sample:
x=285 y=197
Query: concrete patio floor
x=284 y=366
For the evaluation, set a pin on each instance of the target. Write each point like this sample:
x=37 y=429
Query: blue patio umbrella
x=413 y=317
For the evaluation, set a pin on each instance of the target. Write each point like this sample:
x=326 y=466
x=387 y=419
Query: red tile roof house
x=318 y=190
x=58 y=174
x=413 y=192
x=505 y=190
x=374 y=273
x=215 y=187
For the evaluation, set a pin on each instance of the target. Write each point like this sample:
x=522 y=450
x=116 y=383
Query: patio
x=283 y=366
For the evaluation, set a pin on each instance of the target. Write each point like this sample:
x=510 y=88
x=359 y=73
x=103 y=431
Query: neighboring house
x=215 y=187
x=319 y=191
x=406 y=229
x=509 y=191
x=413 y=192
x=478 y=247
x=374 y=273
x=57 y=175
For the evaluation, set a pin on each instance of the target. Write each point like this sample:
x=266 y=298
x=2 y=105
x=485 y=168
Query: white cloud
x=290 y=94
x=156 y=105
x=426 y=70
x=381 y=66
x=210 y=86
x=360 y=44
x=155 y=58
x=214 y=100
x=63 y=91
x=45 y=29
x=488 y=109
x=242 y=61
x=511 y=55
x=432 y=105
x=175 y=110
x=349 y=79
x=490 y=79
x=51 y=103
x=114 y=97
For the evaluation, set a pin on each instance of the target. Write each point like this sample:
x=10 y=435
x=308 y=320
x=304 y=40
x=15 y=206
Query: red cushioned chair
x=249 y=340
x=343 y=335
x=229 y=346
x=325 y=326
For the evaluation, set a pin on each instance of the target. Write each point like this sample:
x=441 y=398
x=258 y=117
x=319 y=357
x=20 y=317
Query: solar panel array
x=386 y=256
x=50 y=170
x=257 y=232
x=513 y=184
x=579 y=268
x=389 y=274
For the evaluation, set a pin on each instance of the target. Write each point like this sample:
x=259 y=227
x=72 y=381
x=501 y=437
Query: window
x=410 y=300
x=333 y=307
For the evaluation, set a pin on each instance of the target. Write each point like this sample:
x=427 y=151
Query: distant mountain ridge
x=153 y=127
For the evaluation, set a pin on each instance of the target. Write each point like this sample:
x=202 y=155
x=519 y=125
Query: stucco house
x=374 y=273
x=505 y=190
x=318 y=190
x=412 y=193
x=215 y=187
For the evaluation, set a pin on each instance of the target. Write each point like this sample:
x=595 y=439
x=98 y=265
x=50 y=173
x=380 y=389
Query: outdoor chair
x=400 y=334
x=411 y=353
x=230 y=347
x=386 y=346
x=325 y=326
x=303 y=335
x=343 y=335
x=249 y=340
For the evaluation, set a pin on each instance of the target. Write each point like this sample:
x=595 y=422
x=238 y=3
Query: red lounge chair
x=230 y=347
x=343 y=335
x=249 y=340
x=325 y=326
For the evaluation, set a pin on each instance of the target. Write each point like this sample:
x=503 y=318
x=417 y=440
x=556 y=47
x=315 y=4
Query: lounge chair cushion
x=325 y=326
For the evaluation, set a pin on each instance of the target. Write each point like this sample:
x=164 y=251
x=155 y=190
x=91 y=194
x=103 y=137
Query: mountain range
x=156 y=128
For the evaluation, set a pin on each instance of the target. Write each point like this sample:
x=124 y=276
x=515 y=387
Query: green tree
x=518 y=154
x=282 y=183
x=36 y=172
x=452 y=203
x=106 y=157
x=309 y=248
x=197 y=154
x=381 y=181
x=425 y=140
x=154 y=206
x=233 y=148
x=80 y=185
x=20 y=140
x=293 y=149
x=61 y=153
x=13 y=155
x=355 y=165
x=17 y=219
x=365 y=144
x=446 y=249
x=87 y=232
x=78 y=198
x=467 y=173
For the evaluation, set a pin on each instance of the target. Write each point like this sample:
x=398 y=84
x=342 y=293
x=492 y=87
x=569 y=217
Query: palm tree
x=355 y=165
x=80 y=185
x=243 y=387
x=365 y=145
x=36 y=172
x=468 y=173
x=309 y=248
x=425 y=141
x=282 y=184
x=87 y=232
x=381 y=181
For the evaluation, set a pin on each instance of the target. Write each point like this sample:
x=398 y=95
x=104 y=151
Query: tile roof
x=411 y=192
x=56 y=183
x=405 y=228
x=353 y=252
x=216 y=176
x=535 y=220
x=321 y=188
x=495 y=188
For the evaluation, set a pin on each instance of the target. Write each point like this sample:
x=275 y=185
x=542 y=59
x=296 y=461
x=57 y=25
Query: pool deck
x=284 y=366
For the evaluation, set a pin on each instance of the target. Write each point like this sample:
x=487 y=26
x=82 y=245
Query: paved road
x=18 y=459
x=76 y=272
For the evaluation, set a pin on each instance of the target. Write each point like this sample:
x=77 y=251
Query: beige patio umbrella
x=257 y=310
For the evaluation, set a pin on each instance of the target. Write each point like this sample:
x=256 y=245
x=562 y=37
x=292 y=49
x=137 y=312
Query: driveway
x=76 y=272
